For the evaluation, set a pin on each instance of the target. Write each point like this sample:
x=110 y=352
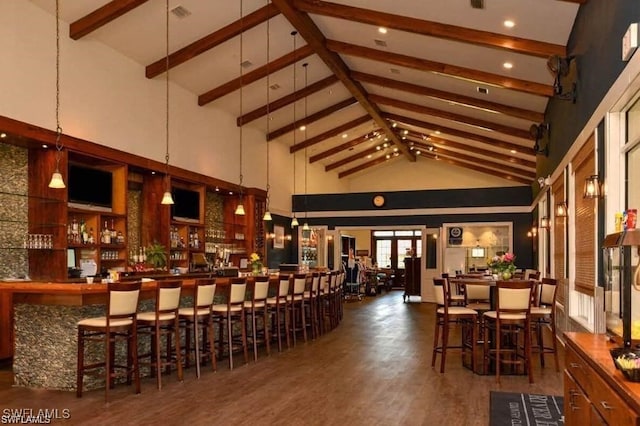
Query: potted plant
x=157 y=255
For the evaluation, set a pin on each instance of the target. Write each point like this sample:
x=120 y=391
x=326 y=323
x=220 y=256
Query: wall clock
x=378 y=200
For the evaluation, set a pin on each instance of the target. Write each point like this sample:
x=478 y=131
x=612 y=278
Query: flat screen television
x=90 y=187
x=186 y=205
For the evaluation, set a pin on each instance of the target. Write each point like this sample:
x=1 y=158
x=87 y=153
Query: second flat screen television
x=186 y=205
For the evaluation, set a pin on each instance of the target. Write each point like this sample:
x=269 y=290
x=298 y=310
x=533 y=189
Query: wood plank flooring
x=374 y=369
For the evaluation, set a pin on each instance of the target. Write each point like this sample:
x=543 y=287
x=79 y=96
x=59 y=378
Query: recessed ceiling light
x=437 y=132
x=303 y=128
x=382 y=30
x=153 y=172
x=3 y=135
x=388 y=156
x=344 y=136
x=417 y=152
x=513 y=151
x=395 y=149
x=45 y=146
x=406 y=132
x=230 y=192
x=507 y=65
x=509 y=23
x=378 y=148
x=369 y=156
x=394 y=125
x=385 y=145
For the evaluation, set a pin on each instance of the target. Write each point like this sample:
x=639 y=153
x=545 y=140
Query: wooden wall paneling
x=155 y=216
x=6 y=325
x=585 y=220
x=47 y=214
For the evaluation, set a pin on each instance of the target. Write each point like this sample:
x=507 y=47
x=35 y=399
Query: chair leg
x=498 y=358
x=156 y=343
x=80 y=363
x=196 y=344
x=436 y=338
x=304 y=321
x=287 y=321
x=445 y=343
x=254 y=335
x=230 y=339
x=176 y=330
x=554 y=342
x=134 y=354
x=527 y=346
x=265 y=327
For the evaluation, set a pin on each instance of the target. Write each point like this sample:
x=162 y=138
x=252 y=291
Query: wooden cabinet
x=595 y=392
x=6 y=325
x=412 y=277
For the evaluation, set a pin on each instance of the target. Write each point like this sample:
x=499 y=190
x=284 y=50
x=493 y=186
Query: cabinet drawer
x=578 y=368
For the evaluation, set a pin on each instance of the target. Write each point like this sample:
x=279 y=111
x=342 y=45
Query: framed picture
x=278 y=238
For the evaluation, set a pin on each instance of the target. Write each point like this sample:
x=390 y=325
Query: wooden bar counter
x=595 y=391
x=45 y=315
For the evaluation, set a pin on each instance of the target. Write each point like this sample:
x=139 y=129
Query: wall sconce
x=538 y=132
x=592 y=187
x=530 y=234
x=534 y=231
x=544 y=222
x=561 y=209
x=288 y=237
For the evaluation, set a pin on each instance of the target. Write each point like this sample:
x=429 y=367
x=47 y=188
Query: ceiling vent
x=394 y=71
x=180 y=12
x=246 y=64
x=483 y=90
x=380 y=43
x=477 y=4
x=275 y=86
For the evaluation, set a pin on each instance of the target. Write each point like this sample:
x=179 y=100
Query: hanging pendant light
x=267 y=213
x=305 y=226
x=240 y=208
x=56 y=181
x=294 y=220
x=167 y=198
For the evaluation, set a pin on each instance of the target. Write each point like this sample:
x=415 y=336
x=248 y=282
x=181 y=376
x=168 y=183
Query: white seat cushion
x=479 y=306
x=458 y=310
x=225 y=308
x=510 y=317
x=102 y=322
x=188 y=312
x=274 y=300
x=151 y=316
x=540 y=311
x=296 y=298
x=259 y=304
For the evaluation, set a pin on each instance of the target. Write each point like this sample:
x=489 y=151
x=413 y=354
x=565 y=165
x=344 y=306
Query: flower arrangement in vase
x=256 y=264
x=504 y=266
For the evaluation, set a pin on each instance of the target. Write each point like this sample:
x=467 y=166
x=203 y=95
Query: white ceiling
x=140 y=35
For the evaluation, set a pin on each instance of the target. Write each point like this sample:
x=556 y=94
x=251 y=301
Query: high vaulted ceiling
x=372 y=80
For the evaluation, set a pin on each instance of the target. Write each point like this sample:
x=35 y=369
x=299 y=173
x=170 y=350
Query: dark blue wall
x=289 y=253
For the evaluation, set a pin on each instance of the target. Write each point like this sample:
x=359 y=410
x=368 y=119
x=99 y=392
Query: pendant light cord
x=58 y=128
x=305 y=65
x=268 y=107
x=295 y=127
x=166 y=61
x=241 y=84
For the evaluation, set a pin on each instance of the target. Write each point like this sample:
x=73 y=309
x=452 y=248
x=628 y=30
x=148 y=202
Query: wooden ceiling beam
x=476 y=76
x=531 y=174
x=432 y=29
x=478 y=168
x=460 y=133
x=448 y=96
x=287 y=100
x=311 y=119
x=507 y=130
x=364 y=166
x=338 y=149
x=354 y=157
x=255 y=75
x=439 y=142
x=212 y=40
x=314 y=37
x=101 y=16
x=329 y=134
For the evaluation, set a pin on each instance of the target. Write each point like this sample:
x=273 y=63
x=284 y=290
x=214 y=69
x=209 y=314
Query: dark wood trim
x=365 y=166
x=212 y=40
x=339 y=148
x=101 y=16
x=451 y=70
x=478 y=168
x=432 y=29
x=354 y=157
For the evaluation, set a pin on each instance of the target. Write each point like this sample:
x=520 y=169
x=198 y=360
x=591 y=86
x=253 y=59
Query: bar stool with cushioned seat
x=446 y=315
x=230 y=313
x=196 y=318
x=456 y=290
x=543 y=314
x=296 y=307
x=311 y=305
x=477 y=295
x=278 y=310
x=255 y=307
x=511 y=319
x=163 y=321
x=118 y=324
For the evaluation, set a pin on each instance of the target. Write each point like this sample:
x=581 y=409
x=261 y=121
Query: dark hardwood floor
x=374 y=369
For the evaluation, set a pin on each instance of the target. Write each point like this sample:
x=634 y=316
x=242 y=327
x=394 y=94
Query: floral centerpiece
x=256 y=263
x=503 y=265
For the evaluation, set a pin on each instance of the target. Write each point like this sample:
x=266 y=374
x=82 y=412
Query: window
x=383 y=253
x=391 y=246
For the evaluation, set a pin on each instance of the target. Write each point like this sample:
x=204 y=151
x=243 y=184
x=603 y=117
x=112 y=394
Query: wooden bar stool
x=118 y=324
x=543 y=314
x=311 y=305
x=296 y=306
x=232 y=312
x=503 y=326
x=278 y=310
x=257 y=307
x=163 y=321
x=447 y=315
x=196 y=318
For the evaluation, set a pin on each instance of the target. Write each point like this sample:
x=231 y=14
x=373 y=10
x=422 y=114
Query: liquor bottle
x=114 y=233
x=84 y=234
x=91 y=239
x=74 y=231
x=106 y=234
x=196 y=241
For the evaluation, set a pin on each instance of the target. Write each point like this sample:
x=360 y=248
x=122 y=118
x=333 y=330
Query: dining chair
x=503 y=326
x=163 y=321
x=446 y=316
x=119 y=324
